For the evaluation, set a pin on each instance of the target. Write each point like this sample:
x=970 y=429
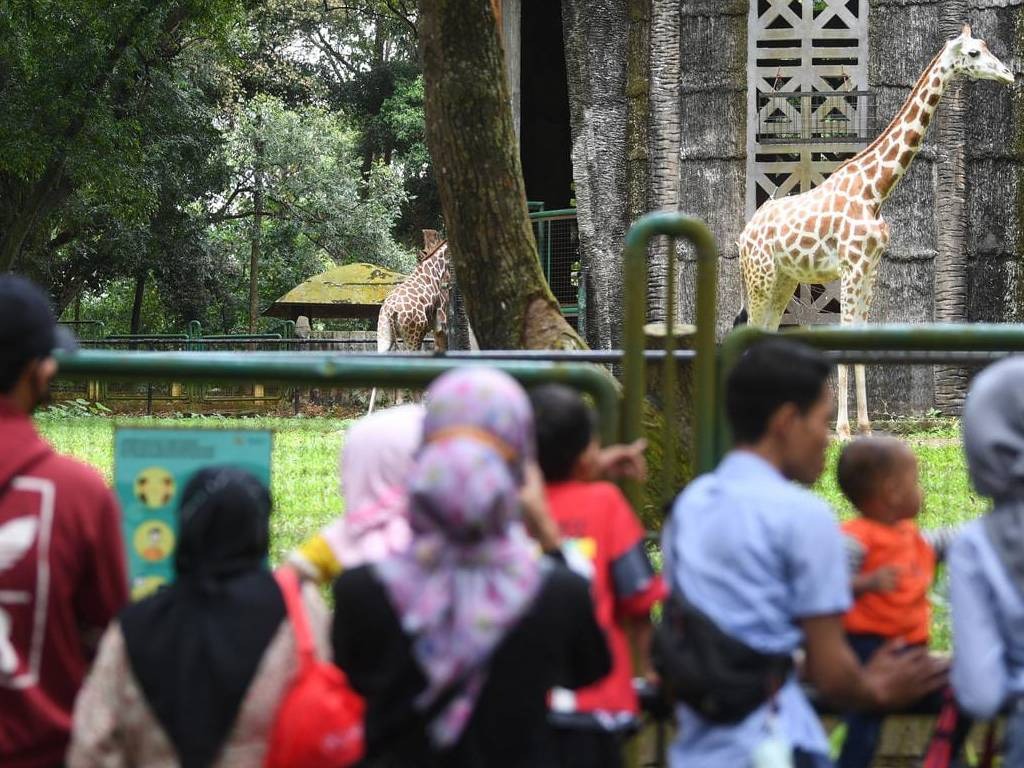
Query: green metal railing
x=341 y=371
x=869 y=343
x=672 y=225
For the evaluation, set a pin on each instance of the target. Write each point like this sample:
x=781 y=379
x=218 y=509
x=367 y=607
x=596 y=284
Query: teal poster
x=151 y=468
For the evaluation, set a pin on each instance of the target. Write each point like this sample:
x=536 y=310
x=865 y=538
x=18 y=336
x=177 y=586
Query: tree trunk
x=257 y=239
x=140 y=294
x=951 y=216
x=665 y=140
x=638 y=100
x=473 y=145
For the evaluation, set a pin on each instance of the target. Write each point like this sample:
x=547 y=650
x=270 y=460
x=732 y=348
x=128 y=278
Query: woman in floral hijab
x=456 y=641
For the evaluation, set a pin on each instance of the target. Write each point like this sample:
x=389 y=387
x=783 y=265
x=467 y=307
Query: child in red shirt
x=603 y=538
x=892 y=565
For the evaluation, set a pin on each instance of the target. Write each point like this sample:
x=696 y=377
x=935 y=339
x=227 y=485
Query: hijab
x=195 y=646
x=374 y=467
x=993 y=428
x=471 y=571
x=488 y=405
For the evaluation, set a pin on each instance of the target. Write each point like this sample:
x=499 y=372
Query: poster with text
x=152 y=468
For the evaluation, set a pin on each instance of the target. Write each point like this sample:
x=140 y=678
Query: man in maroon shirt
x=62 y=565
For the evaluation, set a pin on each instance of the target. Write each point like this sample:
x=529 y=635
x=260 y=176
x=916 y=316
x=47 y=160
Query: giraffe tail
x=741 y=317
x=385 y=343
x=384 y=335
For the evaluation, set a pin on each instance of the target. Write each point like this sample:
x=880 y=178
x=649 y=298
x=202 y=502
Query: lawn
x=305 y=481
x=304 y=475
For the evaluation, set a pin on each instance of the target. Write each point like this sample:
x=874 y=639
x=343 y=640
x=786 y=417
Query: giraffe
x=418 y=303
x=835 y=231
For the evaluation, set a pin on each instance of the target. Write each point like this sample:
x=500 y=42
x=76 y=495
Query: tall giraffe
x=836 y=231
x=418 y=303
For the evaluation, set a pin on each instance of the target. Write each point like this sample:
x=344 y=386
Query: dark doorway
x=545 y=139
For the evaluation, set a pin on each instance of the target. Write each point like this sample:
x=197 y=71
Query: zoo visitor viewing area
x=686 y=370
x=512 y=384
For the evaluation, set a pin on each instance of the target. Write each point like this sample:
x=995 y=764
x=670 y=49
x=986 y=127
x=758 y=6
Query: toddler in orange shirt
x=892 y=565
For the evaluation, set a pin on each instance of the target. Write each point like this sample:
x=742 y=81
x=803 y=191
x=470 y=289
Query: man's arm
x=895 y=677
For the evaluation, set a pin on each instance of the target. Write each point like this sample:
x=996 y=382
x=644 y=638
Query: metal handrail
x=635 y=263
x=350 y=371
x=891 y=343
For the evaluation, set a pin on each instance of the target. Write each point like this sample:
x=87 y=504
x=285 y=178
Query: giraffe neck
x=883 y=163
x=434 y=268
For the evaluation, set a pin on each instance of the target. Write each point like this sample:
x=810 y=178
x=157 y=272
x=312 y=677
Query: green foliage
x=129 y=131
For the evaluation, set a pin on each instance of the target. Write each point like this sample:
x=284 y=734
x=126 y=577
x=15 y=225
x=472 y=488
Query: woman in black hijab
x=192 y=676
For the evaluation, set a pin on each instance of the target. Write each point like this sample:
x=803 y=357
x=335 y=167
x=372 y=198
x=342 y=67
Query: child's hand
x=536 y=515
x=884 y=579
x=623 y=461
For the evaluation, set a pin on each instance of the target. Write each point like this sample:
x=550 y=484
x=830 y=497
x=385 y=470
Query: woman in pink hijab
x=374 y=465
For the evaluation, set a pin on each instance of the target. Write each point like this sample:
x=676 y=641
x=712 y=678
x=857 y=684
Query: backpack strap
x=288 y=582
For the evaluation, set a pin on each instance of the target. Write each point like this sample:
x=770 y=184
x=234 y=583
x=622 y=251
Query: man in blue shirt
x=763 y=558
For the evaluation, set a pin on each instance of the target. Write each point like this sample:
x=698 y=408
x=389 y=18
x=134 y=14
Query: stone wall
x=712 y=178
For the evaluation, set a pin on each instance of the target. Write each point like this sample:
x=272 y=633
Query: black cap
x=28 y=329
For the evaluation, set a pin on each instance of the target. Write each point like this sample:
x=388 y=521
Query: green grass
x=305 y=480
x=304 y=474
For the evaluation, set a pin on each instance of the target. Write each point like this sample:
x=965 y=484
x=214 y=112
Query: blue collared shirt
x=988 y=625
x=756 y=553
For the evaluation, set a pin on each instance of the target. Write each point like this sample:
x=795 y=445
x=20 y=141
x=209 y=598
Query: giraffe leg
x=842 y=410
x=863 y=422
x=855 y=298
x=782 y=294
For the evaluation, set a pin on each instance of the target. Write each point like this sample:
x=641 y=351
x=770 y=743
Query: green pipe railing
x=953 y=337
x=673 y=225
x=560 y=213
x=342 y=371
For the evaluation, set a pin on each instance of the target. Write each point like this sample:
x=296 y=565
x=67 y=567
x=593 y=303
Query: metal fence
x=558 y=245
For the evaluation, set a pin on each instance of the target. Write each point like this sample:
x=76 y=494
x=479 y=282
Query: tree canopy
x=136 y=134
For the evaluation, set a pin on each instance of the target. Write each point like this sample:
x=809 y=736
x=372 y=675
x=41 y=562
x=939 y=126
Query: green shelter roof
x=351 y=290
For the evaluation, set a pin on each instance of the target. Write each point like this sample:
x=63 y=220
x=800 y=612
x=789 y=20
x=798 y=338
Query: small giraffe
x=835 y=231
x=418 y=303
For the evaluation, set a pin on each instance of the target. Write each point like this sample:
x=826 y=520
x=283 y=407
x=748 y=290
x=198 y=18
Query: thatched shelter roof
x=352 y=290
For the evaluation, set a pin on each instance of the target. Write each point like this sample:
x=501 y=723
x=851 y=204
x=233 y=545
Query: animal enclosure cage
x=558 y=246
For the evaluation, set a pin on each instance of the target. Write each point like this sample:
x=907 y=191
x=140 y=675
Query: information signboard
x=151 y=468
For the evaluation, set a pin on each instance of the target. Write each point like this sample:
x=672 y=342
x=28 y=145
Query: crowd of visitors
x=493 y=591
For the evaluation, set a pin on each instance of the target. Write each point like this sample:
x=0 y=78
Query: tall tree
x=69 y=73
x=480 y=180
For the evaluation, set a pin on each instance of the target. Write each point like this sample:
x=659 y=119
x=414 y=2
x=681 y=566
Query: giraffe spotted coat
x=836 y=231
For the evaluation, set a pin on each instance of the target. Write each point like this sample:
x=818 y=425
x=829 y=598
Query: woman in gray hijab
x=986 y=563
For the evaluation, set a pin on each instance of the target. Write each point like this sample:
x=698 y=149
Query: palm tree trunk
x=951 y=215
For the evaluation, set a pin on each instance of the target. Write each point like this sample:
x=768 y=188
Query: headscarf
x=471 y=571
x=195 y=646
x=993 y=427
x=374 y=466
x=487 y=404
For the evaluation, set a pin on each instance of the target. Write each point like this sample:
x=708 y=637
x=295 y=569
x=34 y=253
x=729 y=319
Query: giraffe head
x=969 y=56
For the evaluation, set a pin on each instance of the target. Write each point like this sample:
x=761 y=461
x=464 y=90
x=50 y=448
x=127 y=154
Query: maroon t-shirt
x=62 y=579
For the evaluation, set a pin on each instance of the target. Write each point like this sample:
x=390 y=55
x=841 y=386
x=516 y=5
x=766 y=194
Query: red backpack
x=319 y=723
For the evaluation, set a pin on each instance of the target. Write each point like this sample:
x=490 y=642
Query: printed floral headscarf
x=471 y=571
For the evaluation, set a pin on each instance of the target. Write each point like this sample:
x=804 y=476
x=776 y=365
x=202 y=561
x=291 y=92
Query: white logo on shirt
x=16 y=539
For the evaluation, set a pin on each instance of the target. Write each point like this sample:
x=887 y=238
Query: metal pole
x=635 y=259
